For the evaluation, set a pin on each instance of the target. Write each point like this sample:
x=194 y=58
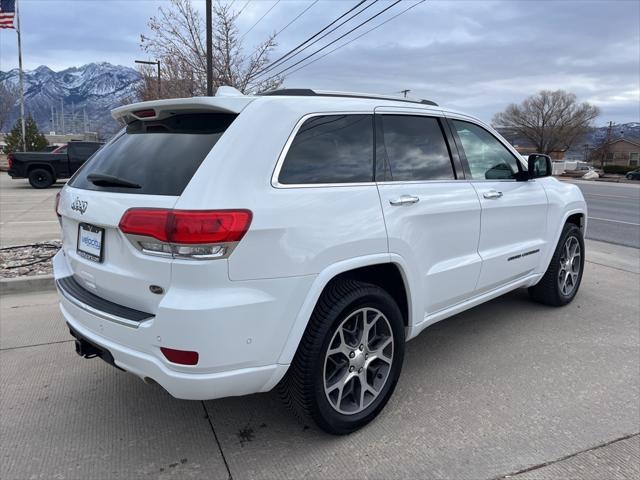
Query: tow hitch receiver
x=88 y=349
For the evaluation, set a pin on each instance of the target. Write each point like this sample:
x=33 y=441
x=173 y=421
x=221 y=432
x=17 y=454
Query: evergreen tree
x=36 y=141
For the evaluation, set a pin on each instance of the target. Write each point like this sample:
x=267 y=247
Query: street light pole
x=209 y=52
x=157 y=63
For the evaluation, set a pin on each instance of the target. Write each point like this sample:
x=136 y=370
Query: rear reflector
x=187 y=226
x=183 y=357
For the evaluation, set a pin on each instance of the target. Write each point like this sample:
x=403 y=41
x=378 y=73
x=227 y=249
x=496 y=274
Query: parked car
x=633 y=174
x=226 y=245
x=44 y=168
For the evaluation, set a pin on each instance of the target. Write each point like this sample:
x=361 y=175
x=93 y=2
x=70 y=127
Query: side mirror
x=539 y=165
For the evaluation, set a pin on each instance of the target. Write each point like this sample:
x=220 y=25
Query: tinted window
x=487 y=157
x=331 y=149
x=415 y=149
x=160 y=156
x=84 y=149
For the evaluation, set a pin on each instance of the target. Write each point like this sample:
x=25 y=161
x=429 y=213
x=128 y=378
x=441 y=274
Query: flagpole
x=24 y=137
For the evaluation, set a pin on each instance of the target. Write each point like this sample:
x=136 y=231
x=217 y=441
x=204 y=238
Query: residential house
x=624 y=152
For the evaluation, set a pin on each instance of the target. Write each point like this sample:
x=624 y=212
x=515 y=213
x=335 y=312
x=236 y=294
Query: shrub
x=621 y=169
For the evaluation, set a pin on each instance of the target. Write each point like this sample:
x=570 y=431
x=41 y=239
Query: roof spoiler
x=227 y=100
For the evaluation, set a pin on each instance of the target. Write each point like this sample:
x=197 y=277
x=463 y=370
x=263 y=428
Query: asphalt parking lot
x=508 y=388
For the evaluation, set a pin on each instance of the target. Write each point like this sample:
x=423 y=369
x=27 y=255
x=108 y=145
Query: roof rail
x=307 y=92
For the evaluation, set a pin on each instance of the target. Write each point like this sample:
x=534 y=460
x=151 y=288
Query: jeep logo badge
x=79 y=206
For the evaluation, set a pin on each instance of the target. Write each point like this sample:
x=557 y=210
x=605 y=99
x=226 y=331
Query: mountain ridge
x=87 y=92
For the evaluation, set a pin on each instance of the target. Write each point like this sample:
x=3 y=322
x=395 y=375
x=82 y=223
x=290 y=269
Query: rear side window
x=330 y=149
x=415 y=149
x=160 y=157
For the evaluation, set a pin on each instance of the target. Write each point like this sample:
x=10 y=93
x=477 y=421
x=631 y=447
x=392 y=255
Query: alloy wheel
x=570 y=264
x=358 y=361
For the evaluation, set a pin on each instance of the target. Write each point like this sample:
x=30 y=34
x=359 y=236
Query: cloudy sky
x=473 y=55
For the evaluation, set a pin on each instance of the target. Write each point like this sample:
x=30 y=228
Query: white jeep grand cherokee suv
x=224 y=245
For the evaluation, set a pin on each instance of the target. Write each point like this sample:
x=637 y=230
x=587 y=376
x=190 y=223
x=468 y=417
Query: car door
x=514 y=213
x=432 y=215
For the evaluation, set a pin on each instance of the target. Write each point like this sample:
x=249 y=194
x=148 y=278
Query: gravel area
x=27 y=260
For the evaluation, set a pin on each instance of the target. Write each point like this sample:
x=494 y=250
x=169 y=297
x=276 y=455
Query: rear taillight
x=10 y=160
x=185 y=233
x=57 y=205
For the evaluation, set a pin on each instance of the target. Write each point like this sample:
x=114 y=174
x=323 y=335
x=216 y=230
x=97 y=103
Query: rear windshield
x=154 y=157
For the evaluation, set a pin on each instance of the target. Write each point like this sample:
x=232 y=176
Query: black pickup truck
x=43 y=168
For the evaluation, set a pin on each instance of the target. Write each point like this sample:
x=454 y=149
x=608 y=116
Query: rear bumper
x=239 y=331
x=188 y=386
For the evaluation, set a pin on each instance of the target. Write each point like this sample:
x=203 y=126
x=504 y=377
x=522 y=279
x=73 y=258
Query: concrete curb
x=34 y=283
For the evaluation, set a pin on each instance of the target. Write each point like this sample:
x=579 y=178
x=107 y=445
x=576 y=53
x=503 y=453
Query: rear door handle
x=404 y=200
x=492 y=194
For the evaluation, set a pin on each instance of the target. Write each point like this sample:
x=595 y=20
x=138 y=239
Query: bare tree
x=552 y=121
x=178 y=40
x=8 y=96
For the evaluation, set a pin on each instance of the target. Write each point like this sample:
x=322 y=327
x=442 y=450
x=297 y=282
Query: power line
x=356 y=38
x=287 y=25
x=310 y=38
x=243 y=7
x=337 y=39
x=296 y=18
x=260 y=19
x=275 y=64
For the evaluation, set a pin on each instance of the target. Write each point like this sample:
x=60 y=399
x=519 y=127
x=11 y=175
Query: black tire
x=41 y=178
x=303 y=388
x=549 y=290
x=629 y=176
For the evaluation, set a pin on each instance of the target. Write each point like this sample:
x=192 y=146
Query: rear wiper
x=105 y=180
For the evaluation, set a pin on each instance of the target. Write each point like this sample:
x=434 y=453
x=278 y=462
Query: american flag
x=7 y=12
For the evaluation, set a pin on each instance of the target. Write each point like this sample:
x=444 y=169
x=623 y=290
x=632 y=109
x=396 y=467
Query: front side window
x=488 y=158
x=415 y=149
x=330 y=149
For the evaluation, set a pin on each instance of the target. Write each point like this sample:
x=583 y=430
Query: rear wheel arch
x=44 y=166
x=364 y=269
x=387 y=276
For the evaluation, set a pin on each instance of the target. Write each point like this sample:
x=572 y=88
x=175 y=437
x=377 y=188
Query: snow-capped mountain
x=86 y=94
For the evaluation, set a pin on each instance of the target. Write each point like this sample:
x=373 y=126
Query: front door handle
x=404 y=200
x=492 y=194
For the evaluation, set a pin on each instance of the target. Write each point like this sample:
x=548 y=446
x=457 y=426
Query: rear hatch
x=147 y=165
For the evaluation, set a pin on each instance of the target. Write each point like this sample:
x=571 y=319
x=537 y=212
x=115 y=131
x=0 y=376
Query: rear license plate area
x=90 y=242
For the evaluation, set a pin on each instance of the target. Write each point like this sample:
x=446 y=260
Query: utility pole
x=18 y=31
x=62 y=114
x=605 y=149
x=405 y=92
x=157 y=63
x=209 y=52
